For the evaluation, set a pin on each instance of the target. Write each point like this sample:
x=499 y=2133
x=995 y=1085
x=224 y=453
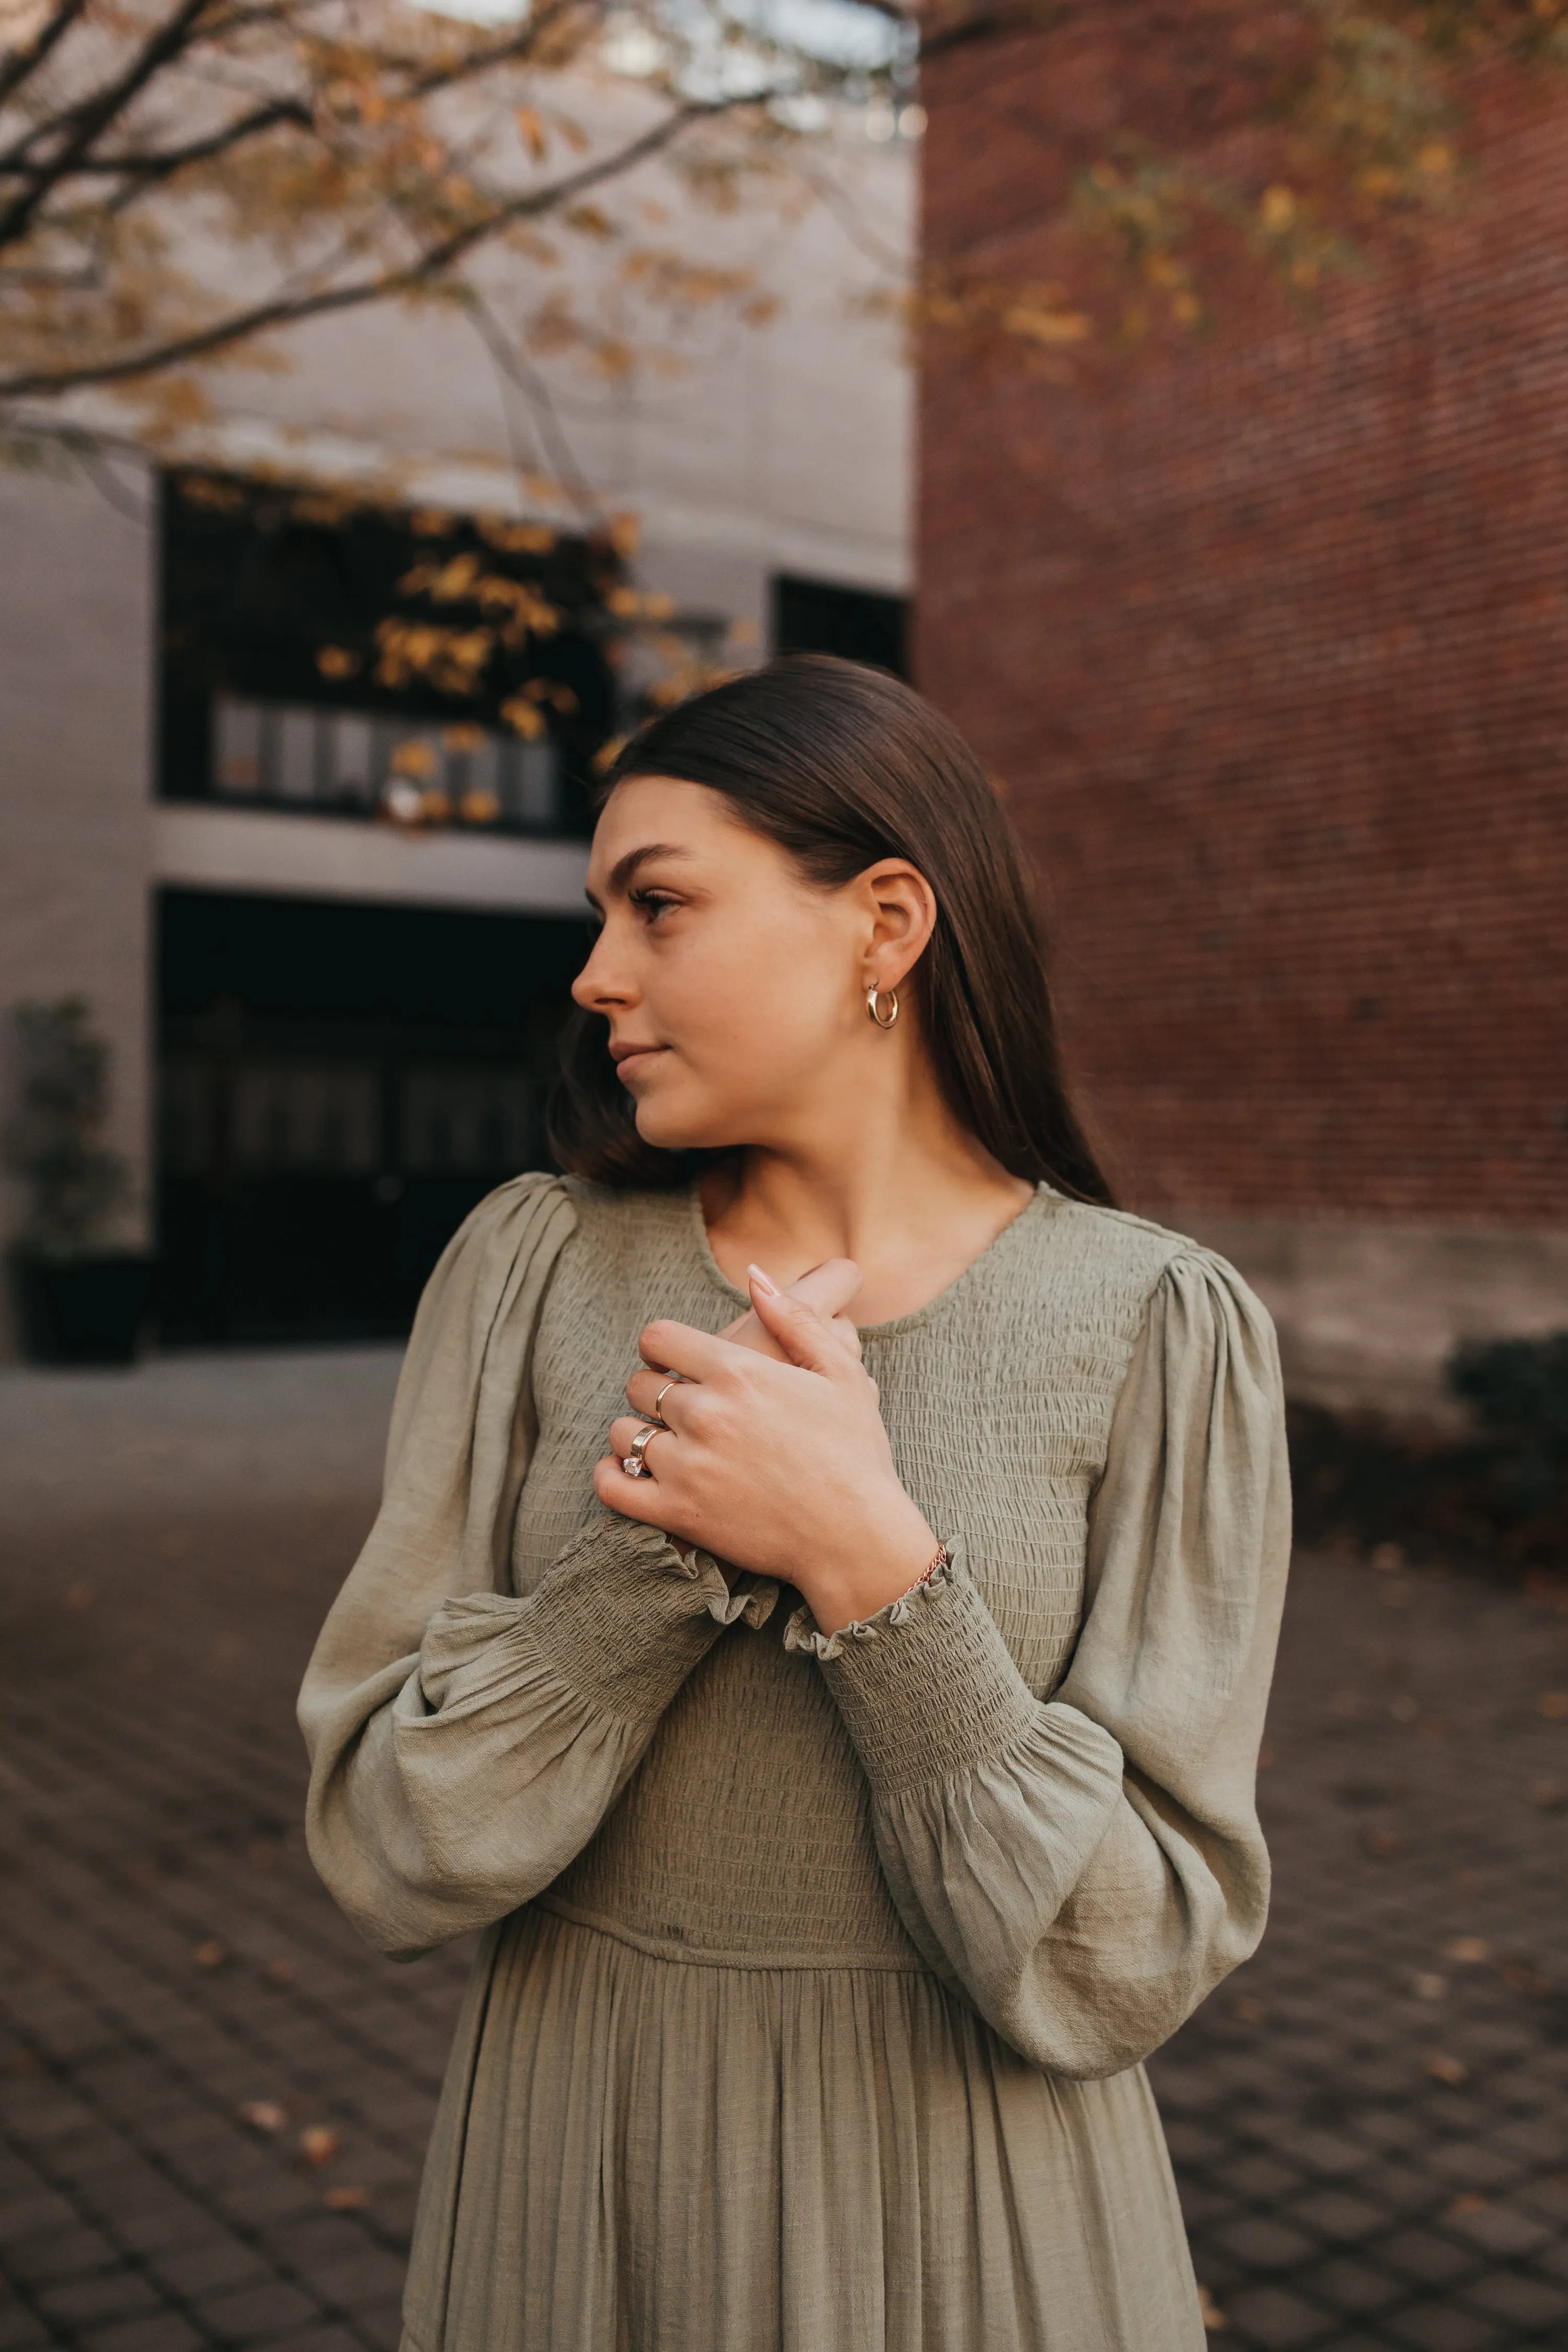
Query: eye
x=653 y=903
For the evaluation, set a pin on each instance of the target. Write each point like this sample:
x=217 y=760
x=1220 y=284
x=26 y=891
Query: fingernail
x=763 y=1282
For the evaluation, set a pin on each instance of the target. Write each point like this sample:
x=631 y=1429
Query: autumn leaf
x=210 y=1955
x=319 y=2143
x=263 y=2115
x=530 y=131
x=1445 y=2069
x=414 y=759
x=524 y=718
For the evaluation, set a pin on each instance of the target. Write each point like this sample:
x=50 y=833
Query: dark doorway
x=817 y=616
x=339 y=1085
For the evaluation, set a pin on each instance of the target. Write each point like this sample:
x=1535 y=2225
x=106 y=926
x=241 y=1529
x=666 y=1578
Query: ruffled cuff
x=623 y=1618
x=927 y=1687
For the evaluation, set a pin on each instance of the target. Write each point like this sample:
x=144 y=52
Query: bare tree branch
x=413 y=278
x=154 y=166
x=95 y=117
x=15 y=69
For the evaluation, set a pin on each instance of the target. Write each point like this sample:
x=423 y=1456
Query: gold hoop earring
x=874 y=1009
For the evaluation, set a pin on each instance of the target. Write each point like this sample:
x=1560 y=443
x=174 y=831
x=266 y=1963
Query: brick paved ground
x=1369 y=2121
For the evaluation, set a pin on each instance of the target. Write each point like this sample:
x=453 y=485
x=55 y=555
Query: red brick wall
x=1267 y=634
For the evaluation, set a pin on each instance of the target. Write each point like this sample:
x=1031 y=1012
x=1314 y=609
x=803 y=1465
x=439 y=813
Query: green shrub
x=54 y=1139
x=1517 y=1392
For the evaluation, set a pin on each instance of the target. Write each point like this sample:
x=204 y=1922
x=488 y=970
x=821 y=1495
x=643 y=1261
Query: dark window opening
x=817 y=616
x=298 y=672
x=339 y=1085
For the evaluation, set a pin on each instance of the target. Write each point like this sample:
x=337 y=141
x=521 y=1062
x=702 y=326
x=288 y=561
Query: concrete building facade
x=760 y=458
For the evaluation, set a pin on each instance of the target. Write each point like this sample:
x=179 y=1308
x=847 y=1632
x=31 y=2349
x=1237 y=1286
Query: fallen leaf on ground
x=319 y=2143
x=1443 y=2069
x=278 y=1972
x=1426 y=1988
x=1213 y=2318
x=210 y=1955
x=1468 y=2201
x=265 y=2114
x=1467 y=1949
x=1524 y=1978
x=347 y=2200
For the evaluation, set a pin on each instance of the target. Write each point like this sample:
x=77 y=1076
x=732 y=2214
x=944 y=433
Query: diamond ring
x=633 y=1462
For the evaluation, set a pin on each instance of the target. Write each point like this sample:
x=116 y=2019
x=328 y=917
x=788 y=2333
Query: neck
x=894 y=1182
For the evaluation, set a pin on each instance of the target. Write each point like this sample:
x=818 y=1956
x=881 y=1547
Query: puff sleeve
x=465 y=1743
x=1086 y=1868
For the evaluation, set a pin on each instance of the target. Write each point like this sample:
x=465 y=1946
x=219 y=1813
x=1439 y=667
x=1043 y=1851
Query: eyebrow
x=624 y=867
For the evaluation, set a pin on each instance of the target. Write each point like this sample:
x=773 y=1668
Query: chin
x=674 y=1127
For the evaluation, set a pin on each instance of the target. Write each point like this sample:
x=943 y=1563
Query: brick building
x=1266 y=630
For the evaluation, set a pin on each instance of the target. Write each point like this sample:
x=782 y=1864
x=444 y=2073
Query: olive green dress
x=815 y=1974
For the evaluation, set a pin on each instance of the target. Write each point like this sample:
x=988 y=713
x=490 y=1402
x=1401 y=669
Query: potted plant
x=80 y=1298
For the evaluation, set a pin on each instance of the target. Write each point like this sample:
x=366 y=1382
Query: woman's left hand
x=783 y=1468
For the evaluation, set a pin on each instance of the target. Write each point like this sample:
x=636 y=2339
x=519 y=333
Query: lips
x=623 y=1056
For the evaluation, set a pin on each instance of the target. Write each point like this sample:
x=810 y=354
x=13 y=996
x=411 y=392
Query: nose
x=598 y=987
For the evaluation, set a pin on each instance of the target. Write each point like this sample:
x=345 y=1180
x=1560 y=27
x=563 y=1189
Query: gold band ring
x=634 y=1463
x=674 y=1382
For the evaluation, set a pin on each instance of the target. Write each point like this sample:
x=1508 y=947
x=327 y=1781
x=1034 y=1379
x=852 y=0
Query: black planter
x=86 y=1310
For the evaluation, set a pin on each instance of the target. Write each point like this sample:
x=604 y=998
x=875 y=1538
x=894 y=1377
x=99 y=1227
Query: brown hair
x=842 y=765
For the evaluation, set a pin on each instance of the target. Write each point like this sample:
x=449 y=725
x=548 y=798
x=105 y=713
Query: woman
x=823 y=1934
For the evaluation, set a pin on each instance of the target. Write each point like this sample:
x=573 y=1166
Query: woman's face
x=735 y=990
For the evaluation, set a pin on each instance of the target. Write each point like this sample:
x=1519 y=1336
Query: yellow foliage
x=524 y=718
x=452 y=660
x=413 y=758
x=1039 y=325
x=530 y=131
x=517 y=537
x=336 y=661
x=1278 y=209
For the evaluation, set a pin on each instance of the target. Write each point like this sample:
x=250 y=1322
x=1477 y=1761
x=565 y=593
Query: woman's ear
x=900 y=906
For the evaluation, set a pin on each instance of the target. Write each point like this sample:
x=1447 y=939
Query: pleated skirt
x=636 y=2154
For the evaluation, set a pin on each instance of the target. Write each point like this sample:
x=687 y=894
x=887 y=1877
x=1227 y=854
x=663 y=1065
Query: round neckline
x=895 y=1323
